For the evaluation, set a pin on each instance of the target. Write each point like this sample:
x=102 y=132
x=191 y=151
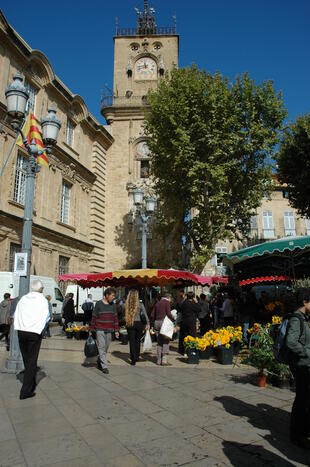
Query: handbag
x=142 y=316
x=90 y=348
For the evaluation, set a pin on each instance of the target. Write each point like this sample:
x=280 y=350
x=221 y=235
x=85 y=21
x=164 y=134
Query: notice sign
x=20 y=264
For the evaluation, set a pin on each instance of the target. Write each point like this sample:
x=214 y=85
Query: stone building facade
x=142 y=56
x=69 y=205
x=274 y=219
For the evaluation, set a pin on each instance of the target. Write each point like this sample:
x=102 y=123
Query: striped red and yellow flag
x=31 y=131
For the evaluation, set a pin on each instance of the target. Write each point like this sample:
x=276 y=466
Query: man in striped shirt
x=104 y=322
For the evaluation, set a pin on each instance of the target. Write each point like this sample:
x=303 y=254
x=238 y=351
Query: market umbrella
x=263 y=279
x=282 y=245
x=140 y=278
x=285 y=256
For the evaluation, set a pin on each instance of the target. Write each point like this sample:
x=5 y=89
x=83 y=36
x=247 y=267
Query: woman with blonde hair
x=136 y=318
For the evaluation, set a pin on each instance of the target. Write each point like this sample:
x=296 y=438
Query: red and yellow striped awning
x=141 y=278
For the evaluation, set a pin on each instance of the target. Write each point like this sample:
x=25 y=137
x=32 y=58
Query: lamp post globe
x=16 y=97
x=150 y=205
x=50 y=127
x=145 y=208
x=138 y=197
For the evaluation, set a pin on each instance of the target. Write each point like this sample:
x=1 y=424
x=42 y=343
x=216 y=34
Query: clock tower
x=142 y=57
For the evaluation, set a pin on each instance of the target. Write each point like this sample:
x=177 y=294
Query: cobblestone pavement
x=204 y=415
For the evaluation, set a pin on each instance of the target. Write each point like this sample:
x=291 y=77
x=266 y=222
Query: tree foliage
x=294 y=163
x=211 y=142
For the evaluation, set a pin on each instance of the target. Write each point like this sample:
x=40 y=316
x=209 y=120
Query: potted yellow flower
x=224 y=349
x=192 y=349
x=69 y=333
x=205 y=345
x=76 y=331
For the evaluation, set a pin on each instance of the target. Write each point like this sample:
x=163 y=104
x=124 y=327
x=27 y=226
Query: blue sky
x=268 y=38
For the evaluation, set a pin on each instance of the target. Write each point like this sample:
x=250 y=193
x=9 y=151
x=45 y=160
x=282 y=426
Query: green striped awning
x=283 y=245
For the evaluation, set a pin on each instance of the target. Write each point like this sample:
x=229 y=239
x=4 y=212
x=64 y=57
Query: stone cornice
x=51 y=78
x=71 y=167
x=58 y=236
x=61 y=238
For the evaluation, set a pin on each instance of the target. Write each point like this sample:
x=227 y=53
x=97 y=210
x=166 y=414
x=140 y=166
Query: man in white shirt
x=30 y=318
x=228 y=311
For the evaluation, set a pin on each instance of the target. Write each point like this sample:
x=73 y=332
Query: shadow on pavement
x=125 y=356
x=39 y=376
x=267 y=417
x=243 y=379
x=251 y=454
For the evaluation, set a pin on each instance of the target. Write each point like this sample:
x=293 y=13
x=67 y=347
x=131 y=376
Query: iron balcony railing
x=123 y=101
x=162 y=31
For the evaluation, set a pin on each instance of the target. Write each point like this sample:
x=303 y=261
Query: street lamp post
x=17 y=97
x=145 y=208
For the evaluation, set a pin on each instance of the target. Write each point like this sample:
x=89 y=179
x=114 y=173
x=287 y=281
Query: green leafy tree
x=294 y=163
x=211 y=144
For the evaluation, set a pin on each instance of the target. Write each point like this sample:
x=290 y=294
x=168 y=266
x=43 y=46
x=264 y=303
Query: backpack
x=87 y=306
x=280 y=351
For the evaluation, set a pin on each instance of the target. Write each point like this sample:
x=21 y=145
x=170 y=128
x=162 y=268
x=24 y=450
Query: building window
x=253 y=226
x=63 y=268
x=69 y=132
x=63 y=265
x=268 y=225
x=289 y=224
x=14 y=248
x=144 y=169
x=216 y=260
x=31 y=103
x=20 y=180
x=65 y=202
x=307 y=221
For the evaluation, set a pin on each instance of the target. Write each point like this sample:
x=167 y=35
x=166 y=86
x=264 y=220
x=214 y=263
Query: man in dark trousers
x=30 y=318
x=5 y=306
x=298 y=342
x=161 y=310
x=88 y=308
x=190 y=311
x=105 y=322
x=204 y=314
x=68 y=311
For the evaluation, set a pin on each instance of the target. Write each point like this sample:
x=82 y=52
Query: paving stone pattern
x=206 y=415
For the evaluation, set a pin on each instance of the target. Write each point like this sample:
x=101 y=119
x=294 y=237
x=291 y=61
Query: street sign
x=20 y=264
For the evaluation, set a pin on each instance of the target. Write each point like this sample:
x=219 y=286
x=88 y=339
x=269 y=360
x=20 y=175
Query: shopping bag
x=147 y=344
x=90 y=348
x=167 y=328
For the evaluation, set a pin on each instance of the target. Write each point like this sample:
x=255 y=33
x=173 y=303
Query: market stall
x=288 y=257
x=141 y=278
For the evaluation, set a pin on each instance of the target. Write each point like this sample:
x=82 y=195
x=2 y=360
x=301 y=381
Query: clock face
x=146 y=68
x=142 y=150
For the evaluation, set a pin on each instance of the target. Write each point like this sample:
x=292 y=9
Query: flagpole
x=7 y=159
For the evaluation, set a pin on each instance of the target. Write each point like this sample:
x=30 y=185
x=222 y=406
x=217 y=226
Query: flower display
x=190 y=342
x=255 y=328
x=220 y=337
x=272 y=306
x=276 y=319
x=77 y=328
